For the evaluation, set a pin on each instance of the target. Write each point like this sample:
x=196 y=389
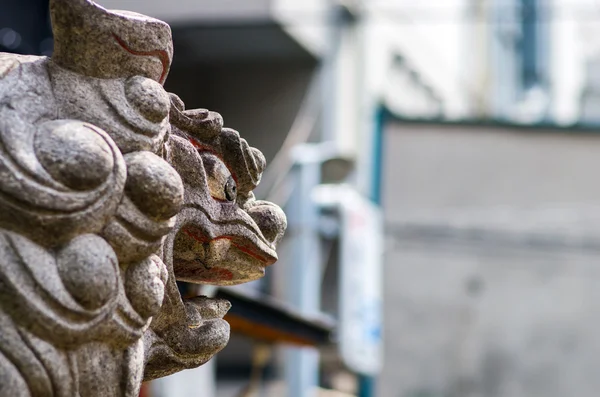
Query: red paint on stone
x=203 y=148
x=245 y=248
x=162 y=56
x=217 y=274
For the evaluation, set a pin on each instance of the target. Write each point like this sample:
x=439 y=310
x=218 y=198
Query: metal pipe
x=304 y=273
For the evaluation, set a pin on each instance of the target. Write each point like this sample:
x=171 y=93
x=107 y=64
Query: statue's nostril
x=270 y=219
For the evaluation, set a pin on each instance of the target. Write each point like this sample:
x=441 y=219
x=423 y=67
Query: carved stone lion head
x=111 y=192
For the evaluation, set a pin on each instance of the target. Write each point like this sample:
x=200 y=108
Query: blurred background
x=436 y=160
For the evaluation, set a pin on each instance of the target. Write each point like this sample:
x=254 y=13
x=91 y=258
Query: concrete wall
x=492 y=263
x=436 y=167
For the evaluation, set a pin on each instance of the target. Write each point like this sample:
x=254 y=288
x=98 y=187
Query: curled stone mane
x=204 y=129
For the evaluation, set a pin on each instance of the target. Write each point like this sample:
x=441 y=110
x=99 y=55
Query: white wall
x=573 y=38
x=305 y=20
x=431 y=36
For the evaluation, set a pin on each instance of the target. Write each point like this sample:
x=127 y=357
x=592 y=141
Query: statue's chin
x=207 y=339
x=190 y=343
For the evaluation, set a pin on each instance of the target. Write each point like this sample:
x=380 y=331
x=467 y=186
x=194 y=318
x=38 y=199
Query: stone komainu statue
x=110 y=191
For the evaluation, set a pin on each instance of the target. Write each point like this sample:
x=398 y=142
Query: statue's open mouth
x=221 y=236
x=223 y=260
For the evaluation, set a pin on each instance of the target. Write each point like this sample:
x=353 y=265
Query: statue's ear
x=96 y=42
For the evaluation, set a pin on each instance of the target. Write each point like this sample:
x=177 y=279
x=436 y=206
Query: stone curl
x=205 y=131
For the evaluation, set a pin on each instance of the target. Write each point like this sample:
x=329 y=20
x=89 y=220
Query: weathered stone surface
x=110 y=192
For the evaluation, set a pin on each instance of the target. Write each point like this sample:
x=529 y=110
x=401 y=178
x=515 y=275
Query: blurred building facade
x=524 y=61
x=491 y=226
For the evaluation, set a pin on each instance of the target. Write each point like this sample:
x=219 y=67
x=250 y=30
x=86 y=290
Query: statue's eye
x=230 y=191
x=221 y=185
